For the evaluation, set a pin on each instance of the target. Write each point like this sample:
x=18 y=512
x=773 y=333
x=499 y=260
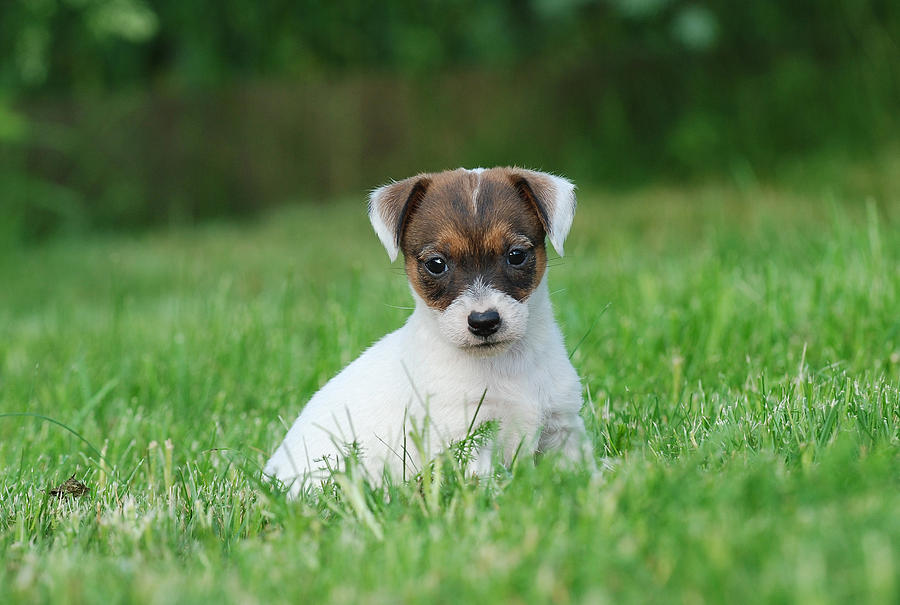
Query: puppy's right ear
x=391 y=206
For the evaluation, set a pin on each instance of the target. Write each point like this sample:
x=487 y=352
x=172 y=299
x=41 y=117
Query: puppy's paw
x=482 y=463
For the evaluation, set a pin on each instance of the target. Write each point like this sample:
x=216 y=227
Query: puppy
x=482 y=338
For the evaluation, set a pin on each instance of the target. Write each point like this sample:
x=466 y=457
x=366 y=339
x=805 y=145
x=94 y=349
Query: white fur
x=454 y=325
x=562 y=213
x=385 y=232
x=418 y=380
x=477 y=172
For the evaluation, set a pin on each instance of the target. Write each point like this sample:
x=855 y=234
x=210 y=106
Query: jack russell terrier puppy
x=482 y=338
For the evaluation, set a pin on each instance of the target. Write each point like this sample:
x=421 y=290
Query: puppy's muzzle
x=484 y=323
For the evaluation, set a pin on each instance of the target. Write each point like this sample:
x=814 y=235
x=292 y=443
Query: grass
x=739 y=348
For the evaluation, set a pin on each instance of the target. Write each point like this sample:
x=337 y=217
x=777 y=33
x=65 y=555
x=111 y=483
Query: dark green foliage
x=123 y=112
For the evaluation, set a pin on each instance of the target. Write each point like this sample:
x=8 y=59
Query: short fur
x=484 y=231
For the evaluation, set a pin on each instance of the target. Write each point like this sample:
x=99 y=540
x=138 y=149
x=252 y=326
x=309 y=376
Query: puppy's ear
x=552 y=197
x=391 y=206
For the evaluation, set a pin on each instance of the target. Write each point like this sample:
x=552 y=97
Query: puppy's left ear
x=552 y=197
x=391 y=206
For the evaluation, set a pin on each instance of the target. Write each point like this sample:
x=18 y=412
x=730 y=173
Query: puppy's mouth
x=487 y=347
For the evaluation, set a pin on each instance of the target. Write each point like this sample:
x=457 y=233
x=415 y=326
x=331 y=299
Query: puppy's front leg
x=564 y=432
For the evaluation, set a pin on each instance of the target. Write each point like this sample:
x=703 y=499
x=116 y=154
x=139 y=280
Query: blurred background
x=123 y=114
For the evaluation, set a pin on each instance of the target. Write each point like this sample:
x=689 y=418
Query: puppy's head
x=473 y=242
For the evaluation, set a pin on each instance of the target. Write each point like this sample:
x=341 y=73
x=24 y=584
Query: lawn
x=740 y=353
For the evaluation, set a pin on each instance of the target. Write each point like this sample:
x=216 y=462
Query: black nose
x=484 y=324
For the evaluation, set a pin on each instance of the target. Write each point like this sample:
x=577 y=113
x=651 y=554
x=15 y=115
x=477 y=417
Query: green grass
x=743 y=380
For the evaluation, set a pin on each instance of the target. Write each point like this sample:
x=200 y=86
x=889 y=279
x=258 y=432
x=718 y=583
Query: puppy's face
x=473 y=242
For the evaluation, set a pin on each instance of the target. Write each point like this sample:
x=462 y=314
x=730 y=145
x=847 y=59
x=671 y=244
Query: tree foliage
x=169 y=108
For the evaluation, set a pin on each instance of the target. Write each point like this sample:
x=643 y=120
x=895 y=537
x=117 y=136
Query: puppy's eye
x=516 y=256
x=436 y=265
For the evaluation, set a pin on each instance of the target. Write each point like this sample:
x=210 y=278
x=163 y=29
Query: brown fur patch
x=498 y=238
x=472 y=221
x=454 y=242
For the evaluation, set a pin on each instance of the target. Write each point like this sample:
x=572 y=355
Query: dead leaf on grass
x=70 y=487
